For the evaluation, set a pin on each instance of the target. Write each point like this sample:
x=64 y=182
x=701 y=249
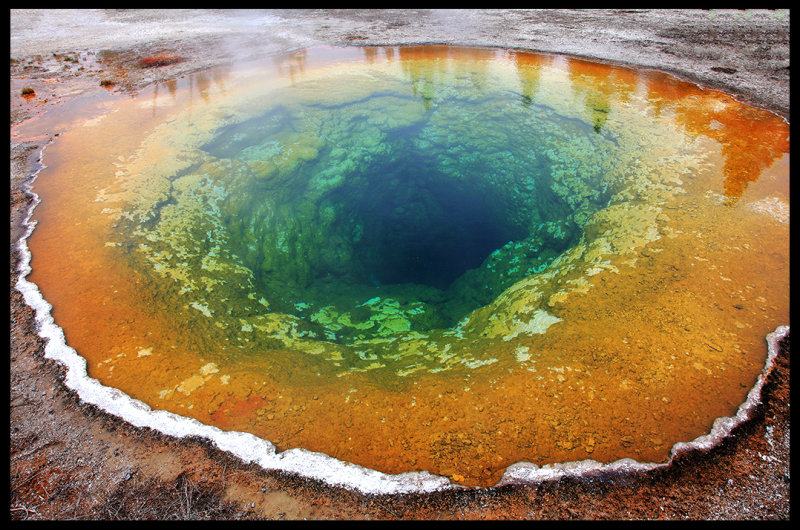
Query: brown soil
x=69 y=460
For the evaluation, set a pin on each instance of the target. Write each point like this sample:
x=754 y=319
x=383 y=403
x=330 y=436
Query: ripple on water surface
x=423 y=258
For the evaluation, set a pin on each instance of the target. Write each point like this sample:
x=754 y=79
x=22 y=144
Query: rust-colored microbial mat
x=423 y=258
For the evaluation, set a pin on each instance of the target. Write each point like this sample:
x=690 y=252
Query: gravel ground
x=69 y=460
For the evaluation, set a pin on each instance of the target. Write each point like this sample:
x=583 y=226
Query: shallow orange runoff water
x=646 y=327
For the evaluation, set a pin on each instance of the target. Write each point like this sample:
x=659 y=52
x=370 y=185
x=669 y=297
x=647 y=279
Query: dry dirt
x=69 y=460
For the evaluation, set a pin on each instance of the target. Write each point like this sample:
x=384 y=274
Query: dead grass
x=134 y=499
x=181 y=499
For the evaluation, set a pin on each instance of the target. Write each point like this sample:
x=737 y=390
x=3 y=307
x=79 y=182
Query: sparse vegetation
x=181 y=499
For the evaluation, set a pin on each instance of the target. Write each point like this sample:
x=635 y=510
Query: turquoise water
x=438 y=202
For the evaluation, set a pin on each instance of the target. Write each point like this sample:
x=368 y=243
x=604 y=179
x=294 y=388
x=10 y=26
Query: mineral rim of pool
x=422 y=258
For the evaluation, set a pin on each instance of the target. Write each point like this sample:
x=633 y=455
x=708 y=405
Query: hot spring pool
x=422 y=258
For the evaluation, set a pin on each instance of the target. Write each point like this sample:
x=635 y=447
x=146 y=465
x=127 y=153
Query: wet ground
x=69 y=460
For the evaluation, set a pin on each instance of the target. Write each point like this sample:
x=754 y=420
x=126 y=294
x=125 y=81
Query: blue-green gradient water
x=438 y=199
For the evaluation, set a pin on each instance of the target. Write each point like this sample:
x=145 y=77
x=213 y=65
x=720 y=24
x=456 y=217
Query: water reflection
x=600 y=86
x=428 y=67
x=528 y=69
x=292 y=64
x=750 y=143
x=195 y=84
x=750 y=140
x=371 y=54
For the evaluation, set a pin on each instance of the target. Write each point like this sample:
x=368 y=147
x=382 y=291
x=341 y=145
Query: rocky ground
x=69 y=460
